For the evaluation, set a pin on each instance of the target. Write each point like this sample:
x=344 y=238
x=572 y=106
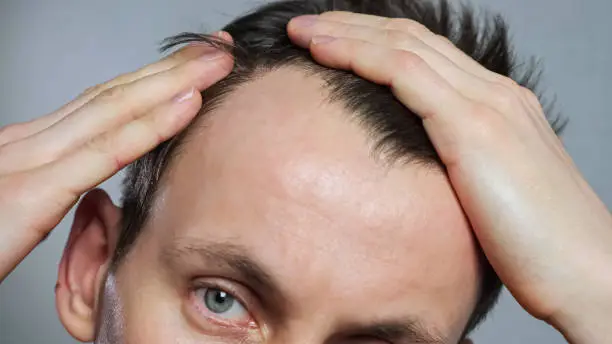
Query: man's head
x=303 y=205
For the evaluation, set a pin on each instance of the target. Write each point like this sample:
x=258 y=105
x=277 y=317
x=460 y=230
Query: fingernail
x=185 y=95
x=212 y=55
x=322 y=39
x=306 y=20
x=224 y=35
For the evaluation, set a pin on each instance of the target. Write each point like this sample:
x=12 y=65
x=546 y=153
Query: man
x=306 y=205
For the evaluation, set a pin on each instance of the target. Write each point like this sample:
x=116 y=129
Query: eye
x=223 y=307
x=221 y=303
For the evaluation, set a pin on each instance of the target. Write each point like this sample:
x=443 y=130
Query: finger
x=437 y=42
x=349 y=53
x=393 y=39
x=172 y=60
x=112 y=108
x=503 y=103
x=499 y=92
x=414 y=82
x=106 y=154
x=79 y=172
x=504 y=96
x=470 y=84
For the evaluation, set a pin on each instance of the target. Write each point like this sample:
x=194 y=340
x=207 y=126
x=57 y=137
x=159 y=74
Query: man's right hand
x=48 y=163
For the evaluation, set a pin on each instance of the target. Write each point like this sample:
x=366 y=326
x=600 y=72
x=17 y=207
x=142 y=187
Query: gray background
x=52 y=50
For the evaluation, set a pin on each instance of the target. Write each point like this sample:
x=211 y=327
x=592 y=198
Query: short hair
x=261 y=44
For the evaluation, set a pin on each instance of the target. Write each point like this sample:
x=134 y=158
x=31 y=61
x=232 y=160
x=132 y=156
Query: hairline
x=310 y=69
x=491 y=49
x=226 y=87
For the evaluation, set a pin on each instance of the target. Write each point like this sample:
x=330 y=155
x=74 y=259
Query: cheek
x=141 y=306
x=137 y=309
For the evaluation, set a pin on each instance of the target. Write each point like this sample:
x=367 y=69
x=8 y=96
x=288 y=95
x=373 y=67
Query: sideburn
x=109 y=329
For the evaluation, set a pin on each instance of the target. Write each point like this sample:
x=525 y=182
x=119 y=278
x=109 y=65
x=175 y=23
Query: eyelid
x=369 y=339
x=241 y=293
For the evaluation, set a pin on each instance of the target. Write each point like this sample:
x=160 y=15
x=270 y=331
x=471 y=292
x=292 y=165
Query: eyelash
x=226 y=286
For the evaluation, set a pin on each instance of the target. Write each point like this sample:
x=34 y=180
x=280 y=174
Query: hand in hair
x=48 y=163
x=544 y=230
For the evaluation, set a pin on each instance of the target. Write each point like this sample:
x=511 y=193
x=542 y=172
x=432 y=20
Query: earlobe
x=83 y=267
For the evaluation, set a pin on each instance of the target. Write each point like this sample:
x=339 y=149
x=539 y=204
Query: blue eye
x=221 y=303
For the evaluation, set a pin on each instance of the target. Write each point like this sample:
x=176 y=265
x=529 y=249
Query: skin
x=348 y=242
x=542 y=227
x=98 y=133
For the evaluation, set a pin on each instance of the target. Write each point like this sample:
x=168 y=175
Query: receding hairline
x=219 y=95
x=260 y=35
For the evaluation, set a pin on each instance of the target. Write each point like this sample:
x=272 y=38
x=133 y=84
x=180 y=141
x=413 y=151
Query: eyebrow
x=408 y=330
x=234 y=262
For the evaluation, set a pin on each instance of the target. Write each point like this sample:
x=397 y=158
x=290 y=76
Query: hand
x=46 y=164
x=544 y=230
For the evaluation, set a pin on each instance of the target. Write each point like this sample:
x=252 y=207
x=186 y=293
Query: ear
x=83 y=267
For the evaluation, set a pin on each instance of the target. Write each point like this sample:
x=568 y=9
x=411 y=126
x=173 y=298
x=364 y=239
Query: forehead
x=280 y=170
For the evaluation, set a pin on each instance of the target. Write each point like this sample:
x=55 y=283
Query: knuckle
x=486 y=123
x=506 y=81
x=48 y=153
x=445 y=40
x=407 y=61
x=396 y=36
x=480 y=110
x=94 y=89
x=11 y=132
x=504 y=99
x=104 y=147
x=101 y=144
x=389 y=23
x=111 y=94
x=116 y=100
x=406 y=25
x=530 y=96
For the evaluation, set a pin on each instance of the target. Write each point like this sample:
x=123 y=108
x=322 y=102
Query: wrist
x=586 y=320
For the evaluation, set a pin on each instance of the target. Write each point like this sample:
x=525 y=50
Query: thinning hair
x=261 y=44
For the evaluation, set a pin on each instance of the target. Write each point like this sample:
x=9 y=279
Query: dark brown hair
x=261 y=44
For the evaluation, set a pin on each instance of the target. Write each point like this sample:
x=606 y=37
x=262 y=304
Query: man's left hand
x=544 y=230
